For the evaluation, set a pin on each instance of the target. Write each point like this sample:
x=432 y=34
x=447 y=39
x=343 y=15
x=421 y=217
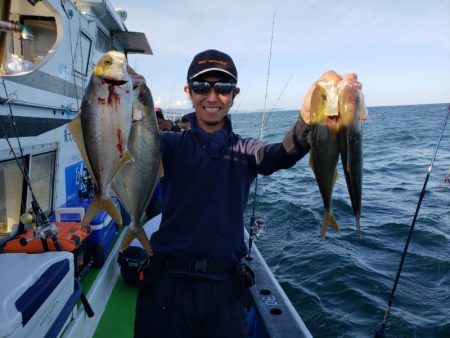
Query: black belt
x=199 y=265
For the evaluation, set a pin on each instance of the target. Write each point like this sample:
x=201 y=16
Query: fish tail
x=328 y=218
x=139 y=233
x=128 y=236
x=101 y=203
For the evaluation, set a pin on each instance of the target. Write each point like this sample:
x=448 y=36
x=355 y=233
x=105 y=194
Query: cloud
x=388 y=43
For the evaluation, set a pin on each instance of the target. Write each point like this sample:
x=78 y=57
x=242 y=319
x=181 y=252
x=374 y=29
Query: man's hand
x=305 y=111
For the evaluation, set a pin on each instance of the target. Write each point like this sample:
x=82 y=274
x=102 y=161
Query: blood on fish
x=101 y=100
x=113 y=98
x=120 y=144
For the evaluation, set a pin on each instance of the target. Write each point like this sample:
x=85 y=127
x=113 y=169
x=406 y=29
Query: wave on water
x=340 y=286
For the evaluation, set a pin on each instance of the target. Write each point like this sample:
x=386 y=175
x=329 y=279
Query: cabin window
x=11 y=187
x=102 y=45
x=42 y=172
x=38 y=38
x=41 y=169
x=25 y=47
x=82 y=52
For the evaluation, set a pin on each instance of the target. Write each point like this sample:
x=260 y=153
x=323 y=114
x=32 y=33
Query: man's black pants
x=180 y=305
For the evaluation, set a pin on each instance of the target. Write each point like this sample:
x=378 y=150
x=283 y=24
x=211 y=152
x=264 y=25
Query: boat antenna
x=381 y=333
x=261 y=135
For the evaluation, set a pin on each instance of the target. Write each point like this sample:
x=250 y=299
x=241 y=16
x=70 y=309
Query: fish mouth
x=114 y=82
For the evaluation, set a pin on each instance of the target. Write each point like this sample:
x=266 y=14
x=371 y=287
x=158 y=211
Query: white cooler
x=37 y=293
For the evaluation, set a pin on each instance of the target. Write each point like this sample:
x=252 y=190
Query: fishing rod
x=381 y=333
x=41 y=219
x=252 y=218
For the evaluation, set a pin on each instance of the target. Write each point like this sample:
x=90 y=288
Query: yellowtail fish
x=337 y=134
x=136 y=181
x=324 y=152
x=352 y=110
x=101 y=130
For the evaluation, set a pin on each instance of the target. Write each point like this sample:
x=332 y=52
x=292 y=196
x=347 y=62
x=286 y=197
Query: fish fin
x=328 y=218
x=362 y=108
x=77 y=133
x=160 y=169
x=336 y=175
x=101 y=203
x=91 y=211
x=311 y=163
x=113 y=188
x=127 y=238
x=143 y=239
x=127 y=157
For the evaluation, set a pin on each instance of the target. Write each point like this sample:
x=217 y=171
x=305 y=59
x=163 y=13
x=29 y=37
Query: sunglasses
x=202 y=87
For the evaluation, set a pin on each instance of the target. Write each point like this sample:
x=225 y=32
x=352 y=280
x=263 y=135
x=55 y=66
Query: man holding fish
x=194 y=282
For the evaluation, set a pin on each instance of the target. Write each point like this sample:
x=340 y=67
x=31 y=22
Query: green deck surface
x=118 y=318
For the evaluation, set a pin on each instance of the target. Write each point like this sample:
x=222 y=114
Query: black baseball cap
x=211 y=60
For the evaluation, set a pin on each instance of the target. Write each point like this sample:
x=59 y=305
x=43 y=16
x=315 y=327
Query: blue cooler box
x=104 y=229
x=38 y=294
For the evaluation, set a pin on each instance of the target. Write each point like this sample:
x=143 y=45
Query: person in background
x=163 y=123
x=195 y=282
x=183 y=123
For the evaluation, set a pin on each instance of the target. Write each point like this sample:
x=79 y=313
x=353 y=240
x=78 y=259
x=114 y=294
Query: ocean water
x=340 y=286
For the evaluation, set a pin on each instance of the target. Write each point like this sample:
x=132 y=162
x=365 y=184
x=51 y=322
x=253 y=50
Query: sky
x=399 y=49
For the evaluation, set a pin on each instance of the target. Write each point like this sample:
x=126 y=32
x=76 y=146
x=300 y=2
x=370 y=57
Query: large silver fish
x=324 y=153
x=352 y=110
x=135 y=183
x=102 y=128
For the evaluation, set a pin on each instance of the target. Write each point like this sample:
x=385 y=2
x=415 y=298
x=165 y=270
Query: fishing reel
x=36 y=219
x=87 y=186
x=259 y=227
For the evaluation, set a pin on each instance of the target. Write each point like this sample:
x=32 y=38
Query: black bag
x=130 y=262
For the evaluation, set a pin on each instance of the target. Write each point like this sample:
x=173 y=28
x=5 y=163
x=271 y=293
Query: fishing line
x=381 y=333
x=240 y=101
x=279 y=97
x=261 y=134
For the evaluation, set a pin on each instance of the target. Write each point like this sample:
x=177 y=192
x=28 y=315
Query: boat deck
x=113 y=302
